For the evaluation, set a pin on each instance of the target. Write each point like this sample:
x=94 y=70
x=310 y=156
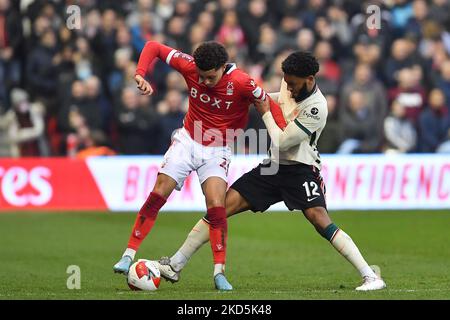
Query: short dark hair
x=210 y=55
x=301 y=64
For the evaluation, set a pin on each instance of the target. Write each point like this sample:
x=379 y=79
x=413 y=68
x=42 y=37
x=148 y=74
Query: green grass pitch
x=270 y=256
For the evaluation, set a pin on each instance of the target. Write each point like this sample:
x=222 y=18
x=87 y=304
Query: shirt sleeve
x=250 y=89
x=274 y=95
x=302 y=127
x=182 y=62
x=174 y=58
x=254 y=92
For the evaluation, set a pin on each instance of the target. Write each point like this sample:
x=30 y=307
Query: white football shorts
x=185 y=155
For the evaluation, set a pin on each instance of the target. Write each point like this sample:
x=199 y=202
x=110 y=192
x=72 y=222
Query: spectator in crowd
x=313 y=10
x=206 y=21
x=360 y=127
x=22 y=128
x=251 y=21
x=74 y=98
x=379 y=34
x=401 y=58
x=439 y=11
x=287 y=32
x=415 y=23
x=401 y=12
x=134 y=17
x=434 y=124
x=175 y=81
x=176 y=34
x=84 y=59
x=117 y=76
x=137 y=125
x=124 y=41
x=74 y=141
x=11 y=39
x=338 y=20
x=141 y=32
x=230 y=32
x=165 y=9
x=331 y=136
x=172 y=110
x=369 y=53
x=305 y=40
x=373 y=91
x=95 y=144
x=326 y=33
x=409 y=92
x=267 y=47
x=329 y=69
x=87 y=101
x=399 y=132
x=443 y=81
x=104 y=43
x=283 y=8
x=42 y=71
x=97 y=109
x=197 y=35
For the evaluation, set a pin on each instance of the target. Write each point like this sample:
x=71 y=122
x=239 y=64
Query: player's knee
x=318 y=217
x=159 y=187
x=215 y=202
x=164 y=185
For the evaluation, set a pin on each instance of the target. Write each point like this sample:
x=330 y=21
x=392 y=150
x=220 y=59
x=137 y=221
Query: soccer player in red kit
x=219 y=99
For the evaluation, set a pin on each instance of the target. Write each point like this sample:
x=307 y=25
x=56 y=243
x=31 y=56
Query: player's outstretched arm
x=180 y=61
x=293 y=134
x=152 y=50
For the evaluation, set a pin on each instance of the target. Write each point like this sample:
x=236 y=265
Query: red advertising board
x=48 y=183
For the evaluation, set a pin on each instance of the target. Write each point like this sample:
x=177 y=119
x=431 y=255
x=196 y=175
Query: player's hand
x=262 y=106
x=143 y=85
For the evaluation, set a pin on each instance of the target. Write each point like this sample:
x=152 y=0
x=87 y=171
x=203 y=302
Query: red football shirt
x=214 y=113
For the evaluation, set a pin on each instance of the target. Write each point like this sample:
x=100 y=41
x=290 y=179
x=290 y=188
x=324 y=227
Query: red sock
x=145 y=220
x=218 y=228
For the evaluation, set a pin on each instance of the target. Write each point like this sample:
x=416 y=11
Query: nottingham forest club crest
x=230 y=88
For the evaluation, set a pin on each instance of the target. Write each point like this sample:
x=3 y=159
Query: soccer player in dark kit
x=297 y=181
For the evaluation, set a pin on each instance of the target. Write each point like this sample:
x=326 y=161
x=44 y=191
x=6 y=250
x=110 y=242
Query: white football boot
x=370 y=283
x=166 y=270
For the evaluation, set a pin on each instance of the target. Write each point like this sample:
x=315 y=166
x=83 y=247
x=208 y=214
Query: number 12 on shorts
x=311 y=190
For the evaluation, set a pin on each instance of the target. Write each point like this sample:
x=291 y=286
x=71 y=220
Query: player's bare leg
x=171 y=267
x=145 y=220
x=342 y=242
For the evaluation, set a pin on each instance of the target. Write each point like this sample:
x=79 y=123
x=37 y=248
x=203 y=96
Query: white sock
x=198 y=236
x=178 y=261
x=129 y=252
x=219 y=268
x=346 y=247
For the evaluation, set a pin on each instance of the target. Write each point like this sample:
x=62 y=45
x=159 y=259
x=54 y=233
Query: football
x=144 y=275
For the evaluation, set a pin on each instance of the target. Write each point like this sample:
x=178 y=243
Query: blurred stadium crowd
x=72 y=92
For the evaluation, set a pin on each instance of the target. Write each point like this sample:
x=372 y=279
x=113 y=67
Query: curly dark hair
x=301 y=64
x=210 y=55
